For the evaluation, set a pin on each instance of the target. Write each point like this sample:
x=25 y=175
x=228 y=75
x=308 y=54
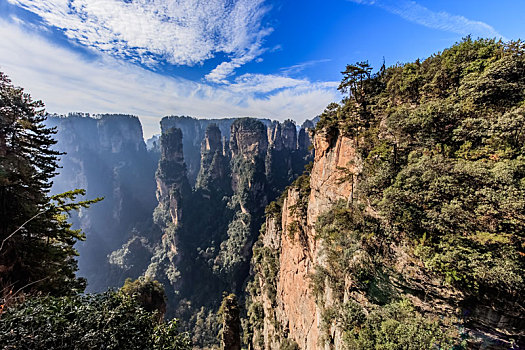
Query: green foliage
x=148 y=293
x=36 y=241
x=275 y=207
x=349 y=245
x=230 y=257
x=466 y=216
x=266 y=261
x=442 y=149
x=231 y=323
x=288 y=344
x=394 y=326
x=302 y=186
x=248 y=124
x=103 y=321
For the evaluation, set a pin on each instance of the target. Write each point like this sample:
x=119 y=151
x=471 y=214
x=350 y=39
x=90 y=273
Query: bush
x=112 y=320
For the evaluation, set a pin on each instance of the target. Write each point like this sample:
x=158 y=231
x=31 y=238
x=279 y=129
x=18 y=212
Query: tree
x=149 y=294
x=36 y=240
x=354 y=79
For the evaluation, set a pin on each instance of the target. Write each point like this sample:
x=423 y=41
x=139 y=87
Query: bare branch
x=18 y=229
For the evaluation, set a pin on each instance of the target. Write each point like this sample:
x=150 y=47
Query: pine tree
x=36 y=241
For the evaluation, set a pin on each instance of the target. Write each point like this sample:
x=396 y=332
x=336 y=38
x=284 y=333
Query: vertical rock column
x=172 y=181
x=214 y=170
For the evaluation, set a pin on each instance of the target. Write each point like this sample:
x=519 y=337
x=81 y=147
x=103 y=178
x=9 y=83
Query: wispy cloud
x=66 y=82
x=414 y=12
x=226 y=69
x=257 y=81
x=181 y=32
x=297 y=68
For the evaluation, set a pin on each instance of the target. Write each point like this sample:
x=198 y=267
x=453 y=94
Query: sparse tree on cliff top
x=149 y=293
x=231 y=323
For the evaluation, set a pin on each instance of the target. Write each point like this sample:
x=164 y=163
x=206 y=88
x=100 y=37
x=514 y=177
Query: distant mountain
x=194 y=130
x=105 y=155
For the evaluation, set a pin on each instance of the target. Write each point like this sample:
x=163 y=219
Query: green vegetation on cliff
x=111 y=320
x=441 y=143
x=428 y=250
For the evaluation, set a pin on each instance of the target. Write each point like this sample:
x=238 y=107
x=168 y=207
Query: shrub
x=112 y=320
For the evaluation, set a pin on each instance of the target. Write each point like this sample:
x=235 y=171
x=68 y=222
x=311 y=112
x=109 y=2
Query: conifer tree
x=36 y=240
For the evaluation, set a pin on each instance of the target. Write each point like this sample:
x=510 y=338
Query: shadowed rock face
x=106 y=156
x=248 y=138
x=289 y=135
x=172 y=180
x=194 y=132
x=303 y=139
x=171 y=146
x=214 y=170
x=212 y=140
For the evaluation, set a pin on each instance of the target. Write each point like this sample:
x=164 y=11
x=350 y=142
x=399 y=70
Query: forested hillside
x=208 y=230
x=408 y=231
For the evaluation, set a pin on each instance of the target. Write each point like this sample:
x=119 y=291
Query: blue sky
x=217 y=58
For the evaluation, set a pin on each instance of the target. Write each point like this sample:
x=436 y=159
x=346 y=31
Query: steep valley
x=210 y=202
x=394 y=222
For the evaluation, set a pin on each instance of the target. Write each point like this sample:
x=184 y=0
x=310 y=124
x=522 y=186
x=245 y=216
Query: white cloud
x=182 y=32
x=262 y=83
x=297 y=68
x=66 y=82
x=226 y=69
x=265 y=83
x=414 y=12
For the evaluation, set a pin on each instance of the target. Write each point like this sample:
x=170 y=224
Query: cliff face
x=214 y=170
x=194 y=132
x=199 y=240
x=172 y=180
x=105 y=155
x=286 y=308
x=296 y=252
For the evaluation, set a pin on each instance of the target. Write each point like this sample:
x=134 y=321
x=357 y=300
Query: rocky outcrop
x=298 y=252
x=335 y=159
x=199 y=240
x=211 y=228
x=289 y=135
x=248 y=138
x=214 y=169
x=303 y=139
x=172 y=180
x=194 y=131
